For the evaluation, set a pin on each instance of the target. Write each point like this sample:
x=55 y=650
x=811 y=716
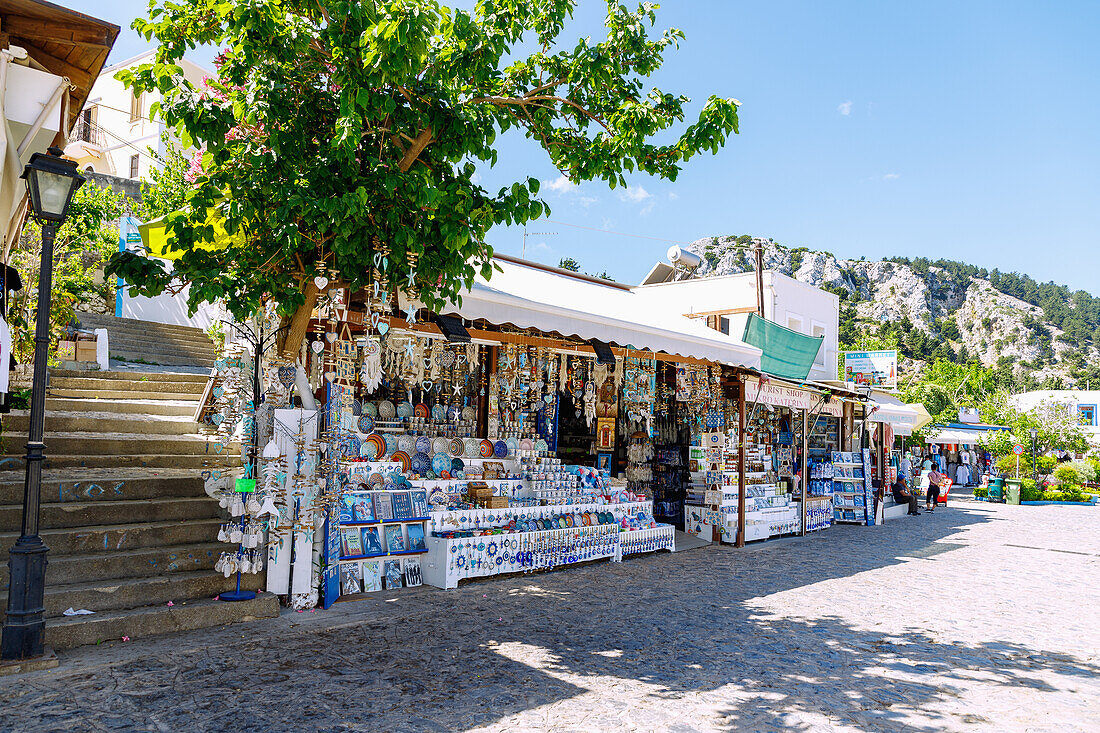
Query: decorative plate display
x=404 y=409
x=378 y=444
x=473 y=448
x=570 y=521
x=440 y=445
x=368 y=450
x=500 y=449
x=403 y=458
x=423 y=444
x=376 y=479
x=356 y=408
x=421 y=410
x=456 y=466
x=469 y=414
x=406 y=443
x=441 y=462
x=513 y=445
x=369 y=408
x=439 y=412
x=452 y=413
x=541 y=444
x=421 y=463
x=391 y=443
x=486 y=449
x=366 y=424
x=458 y=475
x=526 y=444
x=386 y=410
x=457 y=447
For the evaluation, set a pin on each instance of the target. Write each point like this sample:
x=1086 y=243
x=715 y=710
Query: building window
x=724 y=325
x=135 y=107
x=819 y=332
x=794 y=323
x=133 y=166
x=1087 y=413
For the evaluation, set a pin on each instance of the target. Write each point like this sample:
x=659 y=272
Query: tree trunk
x=299 y=322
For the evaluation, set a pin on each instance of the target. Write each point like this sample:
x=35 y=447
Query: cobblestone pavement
x=979 y=617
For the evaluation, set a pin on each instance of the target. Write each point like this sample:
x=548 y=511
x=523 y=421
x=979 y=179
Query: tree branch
x=415 y=149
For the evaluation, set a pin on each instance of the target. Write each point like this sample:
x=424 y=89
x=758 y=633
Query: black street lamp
x=51 y=183
x=1034 y=459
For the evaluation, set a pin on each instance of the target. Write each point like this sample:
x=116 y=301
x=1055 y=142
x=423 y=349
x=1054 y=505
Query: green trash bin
x=1012 y=490
x=997 y=489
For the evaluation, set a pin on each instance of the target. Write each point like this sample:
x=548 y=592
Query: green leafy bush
x=1067 y=475
x=981 y=491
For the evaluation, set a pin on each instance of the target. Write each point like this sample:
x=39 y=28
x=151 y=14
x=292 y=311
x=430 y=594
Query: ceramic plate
x=440 y=445
x=421 y=463
x=369 y=408
x=439 y=412
x=486 y=449
x=452 y=413
x=406 y=443
x=421 y=410
x=469 y=414
x=513 y=445
x=441 y=462
x=541 y=444
x=526 y=444
x=473 y=448
x=404 y=409
x=376 y=479
x=500 y=449
x=366 y=424
x=457 y=466
x=386 y=410
x=457 y=447
x=423 y=444
x=403 y=458
x=391 y=443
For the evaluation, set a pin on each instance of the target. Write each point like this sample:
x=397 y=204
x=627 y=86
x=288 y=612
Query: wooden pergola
x=64 y=42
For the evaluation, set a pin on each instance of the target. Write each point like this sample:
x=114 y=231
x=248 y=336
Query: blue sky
x=941 y=129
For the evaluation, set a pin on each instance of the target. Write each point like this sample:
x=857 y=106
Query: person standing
x=904 y=467
x=935 y=478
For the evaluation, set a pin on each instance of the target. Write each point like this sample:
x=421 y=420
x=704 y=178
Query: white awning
x=531 y=296
x=889 y=409
x=959 y=436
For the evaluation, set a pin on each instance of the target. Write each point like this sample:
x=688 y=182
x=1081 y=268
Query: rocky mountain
x=1036 y=334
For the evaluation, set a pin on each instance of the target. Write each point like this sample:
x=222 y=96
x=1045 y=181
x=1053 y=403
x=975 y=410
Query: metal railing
x=89 y=132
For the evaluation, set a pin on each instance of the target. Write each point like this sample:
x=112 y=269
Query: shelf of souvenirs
x=541 y=539
x=760 y=523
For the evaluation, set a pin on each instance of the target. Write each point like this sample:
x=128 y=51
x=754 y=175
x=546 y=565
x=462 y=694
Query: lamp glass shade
x=1034 y=433
x=51 y=183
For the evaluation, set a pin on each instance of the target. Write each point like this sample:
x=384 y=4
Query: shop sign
x=872 y=368
x=779 y=395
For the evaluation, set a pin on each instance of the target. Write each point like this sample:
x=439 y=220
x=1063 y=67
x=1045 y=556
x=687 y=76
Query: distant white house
x=725 y=302
x=1079 y=403
x=115 y=129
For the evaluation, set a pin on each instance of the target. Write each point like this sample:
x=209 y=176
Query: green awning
x=787 y=354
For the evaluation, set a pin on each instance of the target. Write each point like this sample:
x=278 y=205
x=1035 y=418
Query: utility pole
x=758 y=245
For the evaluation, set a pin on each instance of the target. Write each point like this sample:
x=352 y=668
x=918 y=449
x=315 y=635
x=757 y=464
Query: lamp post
x=1034 y=460
x=51 y=183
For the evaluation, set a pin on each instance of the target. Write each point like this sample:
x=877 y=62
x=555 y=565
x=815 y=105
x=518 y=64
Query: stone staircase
x=124 y=512
x=152 y=343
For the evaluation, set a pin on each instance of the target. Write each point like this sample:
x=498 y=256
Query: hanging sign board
x=779 y=395
x=872 y=368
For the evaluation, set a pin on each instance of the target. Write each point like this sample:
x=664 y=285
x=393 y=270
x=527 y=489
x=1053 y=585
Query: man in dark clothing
x=902 y=495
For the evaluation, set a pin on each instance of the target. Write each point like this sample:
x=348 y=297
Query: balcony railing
x=89 y=132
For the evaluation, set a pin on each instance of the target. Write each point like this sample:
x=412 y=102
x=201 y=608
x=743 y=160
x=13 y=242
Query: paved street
x=979 y=617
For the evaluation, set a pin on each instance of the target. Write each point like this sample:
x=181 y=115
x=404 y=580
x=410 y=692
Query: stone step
x=70 y=422
x=127 y=593
x=164 y=359
x=68 y=393
x=142 y=338
x=121 y=444
x=68 y=632
x=127 y=375
x=59 y=487
x=14 y=462
x=146 y=346
x=167 y=408
x=143 y=563
x=109 y=537
x=93 y=513
x=103 y=320
x=136 y=384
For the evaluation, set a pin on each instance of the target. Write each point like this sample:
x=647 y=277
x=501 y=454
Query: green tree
x=568 y=263
x=168 y=184
x=81 y=247
x=343 y=137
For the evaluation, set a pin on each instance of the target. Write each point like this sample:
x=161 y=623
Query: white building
x=115 y=132
x=1081 y=404
x=725 y=304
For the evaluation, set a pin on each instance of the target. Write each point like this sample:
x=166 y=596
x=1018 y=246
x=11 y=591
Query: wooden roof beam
x=61 y=67
x=19 y=25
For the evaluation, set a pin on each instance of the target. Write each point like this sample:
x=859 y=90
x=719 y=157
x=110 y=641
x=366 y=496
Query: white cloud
x=844 y=108
x=672 y=195
x=561 y=185
x=634 y=194
x=891 y=176
x=475 y=178
x=543 y=247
